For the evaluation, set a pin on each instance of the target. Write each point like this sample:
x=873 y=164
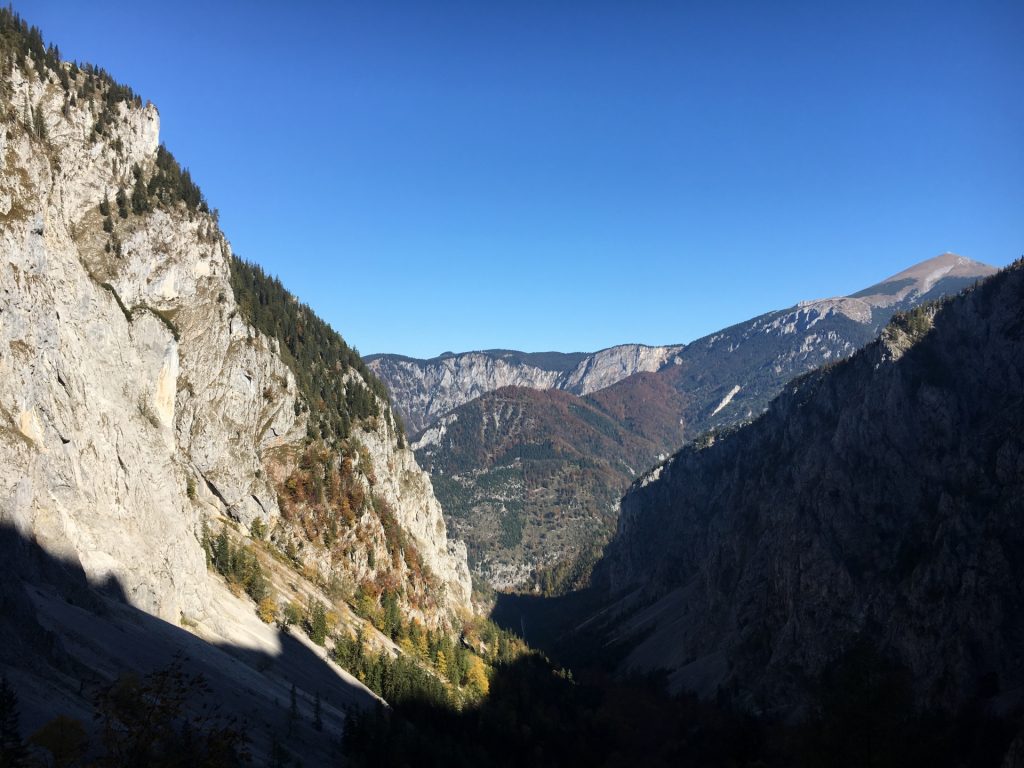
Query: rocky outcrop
x=424 y=390
x=877 y=502
x=406 y=487
x=604 y=368
x=89 y=433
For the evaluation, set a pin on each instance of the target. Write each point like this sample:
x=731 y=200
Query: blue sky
x=436 y=176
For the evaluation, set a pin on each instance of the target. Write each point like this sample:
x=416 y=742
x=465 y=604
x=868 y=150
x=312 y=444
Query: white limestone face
x=134 y=400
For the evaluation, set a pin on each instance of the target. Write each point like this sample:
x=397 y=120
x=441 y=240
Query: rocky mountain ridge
x=799 y=338
x=731 y=375
x=424 y=390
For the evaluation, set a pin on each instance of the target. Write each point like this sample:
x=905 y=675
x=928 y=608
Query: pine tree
x=122 y=203
x=293 y=710
x=12 y=748
x=291 y=614
x=207 y=542
x=392 y=615
x=256 y=582
x=38 y=124
x=316 y=621
x=222 y=553
x=140 y=200
x=278 y=754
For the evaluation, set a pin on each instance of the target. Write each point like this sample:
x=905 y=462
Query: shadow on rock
x=67 y=645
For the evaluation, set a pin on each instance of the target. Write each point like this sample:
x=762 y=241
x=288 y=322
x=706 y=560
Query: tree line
x=316 y=353
x=22 y=46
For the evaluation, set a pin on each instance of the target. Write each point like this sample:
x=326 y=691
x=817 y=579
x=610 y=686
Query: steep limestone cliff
x=424 y=390
x=89 y=437
x=140 y=401
x=407 y=488
x=130 y=374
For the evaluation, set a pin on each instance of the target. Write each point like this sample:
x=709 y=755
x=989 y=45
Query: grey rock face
x=407 y=488
x=134 y=400
x=878 y=500
x=90 y=466
x=424 y=390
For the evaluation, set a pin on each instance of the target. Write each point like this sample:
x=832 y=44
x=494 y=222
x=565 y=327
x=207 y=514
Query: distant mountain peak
x=921 y=278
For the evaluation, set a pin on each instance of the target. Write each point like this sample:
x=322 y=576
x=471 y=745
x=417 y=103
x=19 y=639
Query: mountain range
x=796 y=541
x=424 y=390
x=531 y=480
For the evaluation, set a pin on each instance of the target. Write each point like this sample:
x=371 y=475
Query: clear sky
x=542 y=175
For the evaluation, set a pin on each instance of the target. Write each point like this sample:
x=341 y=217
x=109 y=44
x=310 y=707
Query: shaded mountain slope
x=66 y=639
x=878 y=502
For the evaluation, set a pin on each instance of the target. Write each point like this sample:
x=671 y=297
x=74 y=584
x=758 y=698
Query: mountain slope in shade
x=878 y=502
